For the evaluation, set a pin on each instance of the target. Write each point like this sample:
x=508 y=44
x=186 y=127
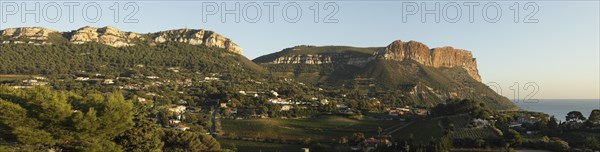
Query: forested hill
x=94 y=57
x=402 y=71
x=116 y=38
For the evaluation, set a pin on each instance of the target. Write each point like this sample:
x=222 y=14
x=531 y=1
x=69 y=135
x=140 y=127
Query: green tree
x=116 y=117
x=41 y=117
x=264 y=110
x=512 y=138
x=542 y=124
x=479 y=143
x=552 y=123
x=594 y=116
x=343 y=140
x=90 y=144
x=176 y=141
x=145 y=136
x=357 y=137
x=30 y=136
x=575 y=116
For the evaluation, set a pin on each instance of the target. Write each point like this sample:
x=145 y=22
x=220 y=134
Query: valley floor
x=323 y=129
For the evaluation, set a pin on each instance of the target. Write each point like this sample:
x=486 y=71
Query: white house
x=174 y=121
x=481 y=121
x=274 y=93
x=108 y=81
x=177 y=109
x=182 y=127
x=279 y=101
x=152 y=77
x=324 y=101
x=341 y=106
x=82 y=78
x=286 y=108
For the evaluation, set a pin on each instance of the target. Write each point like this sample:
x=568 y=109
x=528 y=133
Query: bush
x=479 y=143
x=557 y=144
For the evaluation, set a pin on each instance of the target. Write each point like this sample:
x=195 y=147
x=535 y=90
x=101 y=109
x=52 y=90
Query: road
x=213 y=128
x=395 y=128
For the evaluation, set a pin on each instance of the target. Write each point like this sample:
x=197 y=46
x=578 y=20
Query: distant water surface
x=560 y=107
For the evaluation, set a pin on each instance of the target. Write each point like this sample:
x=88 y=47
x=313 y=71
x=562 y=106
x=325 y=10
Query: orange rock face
x=446 y=57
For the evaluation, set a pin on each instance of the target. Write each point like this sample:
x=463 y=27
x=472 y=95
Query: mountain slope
x=409 y=71
x=109 y=50
x=114 y=37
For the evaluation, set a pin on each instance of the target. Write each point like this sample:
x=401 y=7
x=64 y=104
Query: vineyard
x=476 y=133
x=459 y=121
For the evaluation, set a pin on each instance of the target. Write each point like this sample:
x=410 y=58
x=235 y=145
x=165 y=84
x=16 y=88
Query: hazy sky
x=554 y=44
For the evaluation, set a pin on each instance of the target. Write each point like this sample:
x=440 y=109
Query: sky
x=527 y=49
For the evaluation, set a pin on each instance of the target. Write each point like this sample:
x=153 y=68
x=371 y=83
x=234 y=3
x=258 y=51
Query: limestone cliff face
x=302 y=59
x=197 y=37
x=437 y=57
x=106 y=35
x=35 y=35
x=116 y=38
x=305 y=54
x=444 y=57
x=320 y=59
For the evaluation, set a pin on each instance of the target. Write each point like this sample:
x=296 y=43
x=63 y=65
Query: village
x=222 y=117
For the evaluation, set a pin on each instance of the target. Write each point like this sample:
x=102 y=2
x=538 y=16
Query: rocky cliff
x=197 y=37
x=444 y=57
x=447 y=57
x=106 y=35
x=21 y=35
x=410 y=71
x=116 y=38
x=319 y=55
x=303 y=59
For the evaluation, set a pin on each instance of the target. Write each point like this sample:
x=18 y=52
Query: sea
x=560 y=107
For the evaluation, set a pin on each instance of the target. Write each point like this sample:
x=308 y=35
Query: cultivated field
x=325 y=129
x=252 y=146
x=420 y=130
x=476 y=133
x=7 y=77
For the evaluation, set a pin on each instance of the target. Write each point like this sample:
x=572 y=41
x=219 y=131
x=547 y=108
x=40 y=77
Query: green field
x=459 y=121
x=462 y=130
x=9 y=77
x=421 y=130
x=323 y=129
x=257 y=146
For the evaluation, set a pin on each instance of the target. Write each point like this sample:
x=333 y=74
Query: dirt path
x=396 y=129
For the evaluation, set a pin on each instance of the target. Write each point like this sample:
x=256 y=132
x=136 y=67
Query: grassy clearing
x=321 y=129
x=252 y=146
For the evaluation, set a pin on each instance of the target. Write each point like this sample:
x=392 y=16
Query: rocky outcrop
x=437 y=57
x=444 y=57
x=106 y=35
x=302 y=59
x=306 y=54
x=319 y=59
x=32 y=35
x=197 y=37
x=116 y=38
